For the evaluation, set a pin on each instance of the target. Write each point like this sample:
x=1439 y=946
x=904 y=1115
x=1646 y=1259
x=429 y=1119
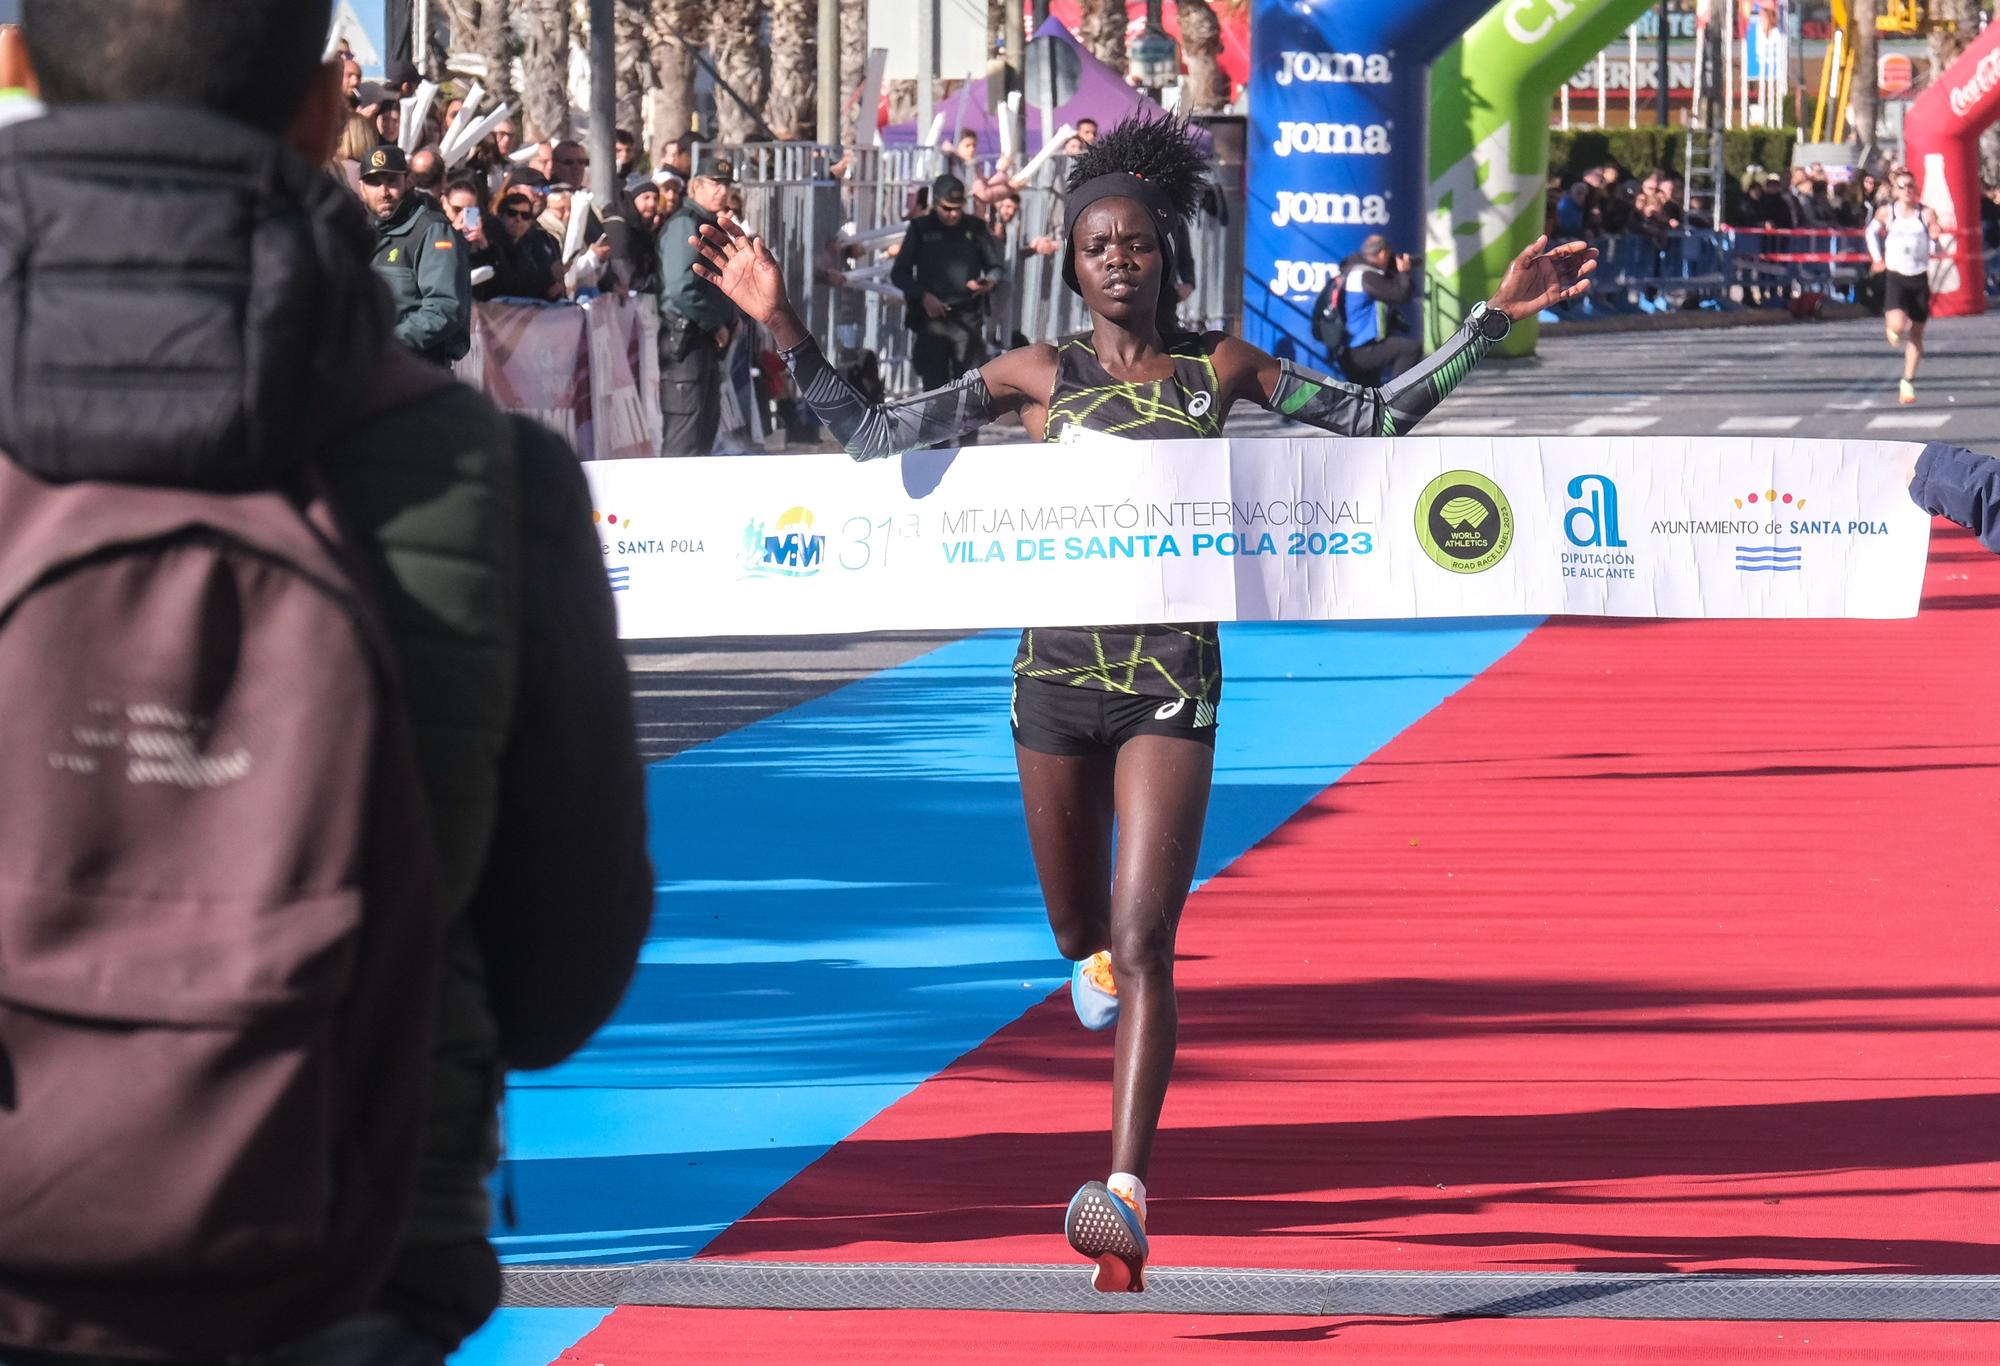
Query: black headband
x=1119 y=185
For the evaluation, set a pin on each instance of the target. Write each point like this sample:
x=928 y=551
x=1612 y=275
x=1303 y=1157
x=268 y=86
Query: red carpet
x=654 y=1337
x=1659 y=947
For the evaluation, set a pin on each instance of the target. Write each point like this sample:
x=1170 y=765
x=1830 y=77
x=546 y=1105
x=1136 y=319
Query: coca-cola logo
x=1985 y=75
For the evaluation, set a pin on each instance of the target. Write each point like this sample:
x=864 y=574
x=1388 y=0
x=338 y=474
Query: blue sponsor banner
x=1338 y=146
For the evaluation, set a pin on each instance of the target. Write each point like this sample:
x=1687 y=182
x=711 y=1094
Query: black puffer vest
x=184 y=301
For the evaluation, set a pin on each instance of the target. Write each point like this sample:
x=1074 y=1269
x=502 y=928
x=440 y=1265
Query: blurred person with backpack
x=1358 y=314
x=328 y=806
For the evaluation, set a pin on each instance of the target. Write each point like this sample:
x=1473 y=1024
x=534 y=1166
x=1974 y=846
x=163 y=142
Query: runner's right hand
x=742 y=267
x=935 y=306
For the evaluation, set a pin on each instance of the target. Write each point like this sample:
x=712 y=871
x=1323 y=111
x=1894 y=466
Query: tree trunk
x=1865 y=100
x=542 y=26
x=793 y=107
x=1101 y=30
x=480 y=28
x=1205 y=90
x=495 y=43
x=1946 y=44
x=673 y=30
x=735 y=46
x=635 y=66
x=853 y=62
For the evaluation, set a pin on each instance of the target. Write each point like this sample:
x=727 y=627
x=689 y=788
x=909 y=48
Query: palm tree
x=741 y=63
x=674 y=29
x=635 y=63
x=480 y=27
x=1101 y=30
x=853 y=58
x=792 y=109
x=542 y=26
x=1206 y=88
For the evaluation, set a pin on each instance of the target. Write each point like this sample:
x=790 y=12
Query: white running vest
x=1906 y=244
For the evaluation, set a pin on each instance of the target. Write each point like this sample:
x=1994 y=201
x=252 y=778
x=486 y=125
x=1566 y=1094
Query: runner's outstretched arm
x=1537 y=279
x=1960 y=485
x=742 y=267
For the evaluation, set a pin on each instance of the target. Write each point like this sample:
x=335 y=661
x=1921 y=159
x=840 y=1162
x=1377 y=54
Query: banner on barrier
x=533 y=359
x=1292 y=530
x=590 y=372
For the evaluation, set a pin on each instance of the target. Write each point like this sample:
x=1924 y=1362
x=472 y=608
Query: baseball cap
x=947 y=189
x=371 y=93
x=388 y=159
x=717 y=168
x=403 y=72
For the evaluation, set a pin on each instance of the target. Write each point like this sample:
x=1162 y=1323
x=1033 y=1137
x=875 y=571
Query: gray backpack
x=219 y=923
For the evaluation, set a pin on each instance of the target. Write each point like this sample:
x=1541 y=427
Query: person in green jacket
x=422 y=259
x=696 y=321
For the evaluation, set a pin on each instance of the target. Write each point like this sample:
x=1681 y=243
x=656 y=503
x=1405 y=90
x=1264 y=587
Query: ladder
x=1703 y=160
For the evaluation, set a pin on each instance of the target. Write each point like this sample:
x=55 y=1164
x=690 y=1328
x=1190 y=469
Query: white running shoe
x=1094 y=991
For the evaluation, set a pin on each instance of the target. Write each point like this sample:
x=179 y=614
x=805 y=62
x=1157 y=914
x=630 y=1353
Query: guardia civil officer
x=422 y=259
x=947 y=266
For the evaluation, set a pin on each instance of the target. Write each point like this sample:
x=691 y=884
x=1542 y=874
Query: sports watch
x=1489 y=322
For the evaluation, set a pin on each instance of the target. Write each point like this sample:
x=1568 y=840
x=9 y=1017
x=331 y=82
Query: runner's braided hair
x=1149 y=159
x=1158 y=151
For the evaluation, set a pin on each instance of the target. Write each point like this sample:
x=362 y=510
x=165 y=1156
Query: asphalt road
x=1833 y=380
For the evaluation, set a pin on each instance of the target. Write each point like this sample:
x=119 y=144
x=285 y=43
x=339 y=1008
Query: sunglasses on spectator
x=523 y=214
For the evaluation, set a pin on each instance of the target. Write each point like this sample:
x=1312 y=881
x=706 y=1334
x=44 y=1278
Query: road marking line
x=1760 y=424
x=1926 y=422
x=1606 y=425
x=1466 y=426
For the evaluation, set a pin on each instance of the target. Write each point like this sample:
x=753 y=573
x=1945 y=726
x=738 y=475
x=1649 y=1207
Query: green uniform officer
x=422 y=259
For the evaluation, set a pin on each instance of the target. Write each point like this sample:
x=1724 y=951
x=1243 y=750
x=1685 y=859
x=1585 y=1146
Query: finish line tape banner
x=1107 y=531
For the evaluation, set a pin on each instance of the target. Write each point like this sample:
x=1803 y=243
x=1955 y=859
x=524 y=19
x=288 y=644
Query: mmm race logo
x=789 y=548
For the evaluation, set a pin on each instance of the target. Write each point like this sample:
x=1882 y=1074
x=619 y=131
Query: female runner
x=1114 y=727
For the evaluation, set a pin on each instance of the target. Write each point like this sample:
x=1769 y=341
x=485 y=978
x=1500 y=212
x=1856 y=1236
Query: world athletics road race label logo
x=1464 y=522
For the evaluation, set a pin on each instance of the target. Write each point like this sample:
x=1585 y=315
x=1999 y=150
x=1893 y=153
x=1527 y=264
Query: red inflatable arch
x=1941 y=139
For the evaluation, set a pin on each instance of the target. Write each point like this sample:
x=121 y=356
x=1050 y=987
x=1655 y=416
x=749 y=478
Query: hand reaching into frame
x=1542 y=277
x=742 y=267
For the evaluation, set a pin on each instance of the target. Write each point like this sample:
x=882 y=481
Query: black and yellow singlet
x=1145 y=661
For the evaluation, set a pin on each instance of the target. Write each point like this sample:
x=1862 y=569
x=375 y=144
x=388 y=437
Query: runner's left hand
x=1542 y=277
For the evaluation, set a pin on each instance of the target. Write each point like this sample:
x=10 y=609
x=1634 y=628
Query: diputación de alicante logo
x=1464 y=522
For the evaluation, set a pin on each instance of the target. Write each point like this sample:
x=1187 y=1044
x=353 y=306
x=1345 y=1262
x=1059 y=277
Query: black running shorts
x=1054 y=718
x=1909 y=294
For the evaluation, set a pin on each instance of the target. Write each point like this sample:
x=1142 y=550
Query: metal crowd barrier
x=812 y=220
x=1795 y=260
x=1724 y=268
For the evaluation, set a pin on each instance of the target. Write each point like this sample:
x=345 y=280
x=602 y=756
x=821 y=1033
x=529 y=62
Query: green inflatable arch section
x=1490 y=97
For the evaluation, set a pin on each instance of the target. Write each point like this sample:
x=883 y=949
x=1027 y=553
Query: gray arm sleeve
x=1349 y=410
x=871 y=430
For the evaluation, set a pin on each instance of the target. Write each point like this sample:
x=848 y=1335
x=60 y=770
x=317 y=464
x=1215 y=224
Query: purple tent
x=1101 y=94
